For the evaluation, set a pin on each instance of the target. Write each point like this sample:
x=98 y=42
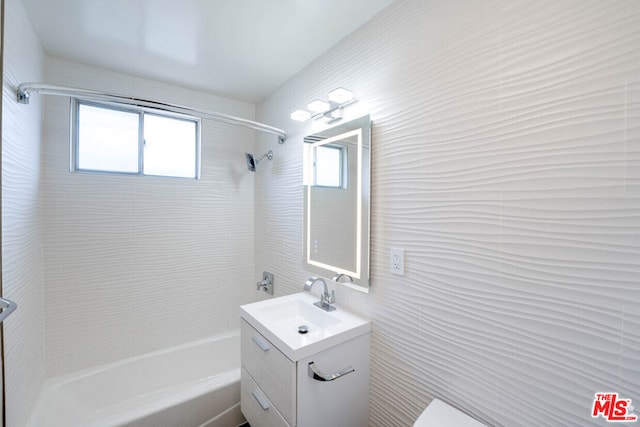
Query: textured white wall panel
x=506 y=162
x=24 y=359
x=133 y=264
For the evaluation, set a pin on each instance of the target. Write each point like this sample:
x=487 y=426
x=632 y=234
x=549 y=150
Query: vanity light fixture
x=334 y=115
x=300 y=115
x=340 y=95
x=330 y=110
x=318 y=106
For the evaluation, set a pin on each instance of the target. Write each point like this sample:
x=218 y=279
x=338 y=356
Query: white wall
x=133 y=264
x=24 y=359
x=506 y=162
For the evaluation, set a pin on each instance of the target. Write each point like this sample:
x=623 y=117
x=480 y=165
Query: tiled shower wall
x=506 y=162
x=24 y=360
x=134 y=264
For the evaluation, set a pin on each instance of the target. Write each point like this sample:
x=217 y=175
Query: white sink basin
x=297 y=312
x=278 y=320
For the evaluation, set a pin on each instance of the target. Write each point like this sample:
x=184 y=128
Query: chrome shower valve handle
x=266 y=284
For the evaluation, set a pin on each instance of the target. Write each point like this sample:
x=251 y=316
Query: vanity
x=303 y=366
x=307 y=365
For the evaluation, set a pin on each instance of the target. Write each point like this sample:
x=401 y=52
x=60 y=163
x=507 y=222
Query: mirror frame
x=361 y=127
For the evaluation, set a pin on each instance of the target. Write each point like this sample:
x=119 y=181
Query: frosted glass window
x=133 y=140
x=107 y=139
x=169 y=146
x=328 y=166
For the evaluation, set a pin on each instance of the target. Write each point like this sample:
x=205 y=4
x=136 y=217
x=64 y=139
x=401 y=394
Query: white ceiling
x=242 y=49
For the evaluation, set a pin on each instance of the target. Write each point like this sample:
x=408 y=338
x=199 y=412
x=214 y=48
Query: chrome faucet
x=326 y=298
x=340 y=276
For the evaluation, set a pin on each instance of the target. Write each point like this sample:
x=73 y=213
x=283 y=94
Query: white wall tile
x=134 y=264
x=22 y=275
x=506 y=146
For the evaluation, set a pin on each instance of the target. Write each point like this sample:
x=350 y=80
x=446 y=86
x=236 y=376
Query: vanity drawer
x=256 y=406
x=271 y=370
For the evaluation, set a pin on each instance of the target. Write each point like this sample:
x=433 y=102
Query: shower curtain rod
x=26 y=89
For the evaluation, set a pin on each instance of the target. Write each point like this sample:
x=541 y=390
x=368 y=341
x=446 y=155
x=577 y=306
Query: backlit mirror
x=336 y=203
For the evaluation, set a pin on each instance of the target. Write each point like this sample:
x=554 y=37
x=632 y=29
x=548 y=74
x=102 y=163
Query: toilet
x=439 y=414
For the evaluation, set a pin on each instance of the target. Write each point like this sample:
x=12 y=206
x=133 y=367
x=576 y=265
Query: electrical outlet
x=396 y=261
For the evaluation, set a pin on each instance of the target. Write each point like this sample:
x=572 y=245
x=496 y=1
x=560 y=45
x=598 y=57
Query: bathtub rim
x=85 y=372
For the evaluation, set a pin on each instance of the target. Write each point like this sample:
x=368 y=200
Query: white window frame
x=140 y=111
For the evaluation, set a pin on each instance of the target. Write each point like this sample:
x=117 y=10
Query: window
x=132 y=140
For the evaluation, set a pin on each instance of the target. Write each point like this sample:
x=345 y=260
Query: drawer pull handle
x=317 y=375
x=7 y=307
x=261 y=400
x=260 y=343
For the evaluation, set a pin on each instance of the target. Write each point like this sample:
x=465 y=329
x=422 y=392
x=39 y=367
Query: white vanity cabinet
x=278 y=391
x=268 y=381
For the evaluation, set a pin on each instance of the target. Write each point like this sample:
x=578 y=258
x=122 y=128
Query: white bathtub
x=195 y=384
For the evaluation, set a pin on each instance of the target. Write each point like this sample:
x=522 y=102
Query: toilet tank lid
x=439 y=414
